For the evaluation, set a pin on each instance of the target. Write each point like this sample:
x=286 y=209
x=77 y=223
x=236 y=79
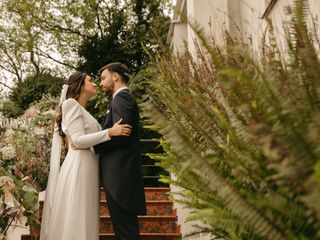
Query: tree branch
x=6 y=85
x=68 y=30
x=7 y=69
x=13 y=65
x=98 y=19
x=46 y=55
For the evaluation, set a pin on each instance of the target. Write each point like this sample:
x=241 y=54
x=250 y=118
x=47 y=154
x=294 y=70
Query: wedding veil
x=53 y=174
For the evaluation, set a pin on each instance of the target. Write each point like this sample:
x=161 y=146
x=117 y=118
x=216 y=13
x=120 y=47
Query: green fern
x=241 y=134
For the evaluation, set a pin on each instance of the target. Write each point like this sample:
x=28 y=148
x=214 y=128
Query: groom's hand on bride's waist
x=74 y=147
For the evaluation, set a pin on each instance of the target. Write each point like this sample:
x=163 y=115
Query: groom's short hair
x=117 y=67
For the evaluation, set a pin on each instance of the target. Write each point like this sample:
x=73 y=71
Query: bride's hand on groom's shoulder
x=119 y=129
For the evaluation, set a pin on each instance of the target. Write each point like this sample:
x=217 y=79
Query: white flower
x=9 y=133
x=7 y=137
x=8 y=152
x=18 y=123
x=39 y=131
x=50 y=112
x=12 y=205
x=31 y=112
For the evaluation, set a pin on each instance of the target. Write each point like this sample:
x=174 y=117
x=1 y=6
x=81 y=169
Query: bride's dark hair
x=75 y=83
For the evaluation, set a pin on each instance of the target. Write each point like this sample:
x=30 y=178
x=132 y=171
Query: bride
x=71 y=208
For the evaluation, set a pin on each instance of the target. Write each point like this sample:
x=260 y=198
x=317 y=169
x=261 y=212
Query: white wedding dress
x=75 y=208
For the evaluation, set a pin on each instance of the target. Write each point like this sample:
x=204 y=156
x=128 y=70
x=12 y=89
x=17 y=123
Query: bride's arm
x=72 y=115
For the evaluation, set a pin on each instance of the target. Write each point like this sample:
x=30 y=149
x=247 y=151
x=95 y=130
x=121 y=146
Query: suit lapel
x=108 y=122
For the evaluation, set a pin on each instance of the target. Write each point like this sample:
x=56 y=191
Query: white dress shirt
x=119 y=90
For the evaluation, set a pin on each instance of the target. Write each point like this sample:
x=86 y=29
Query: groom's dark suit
x=120 y=168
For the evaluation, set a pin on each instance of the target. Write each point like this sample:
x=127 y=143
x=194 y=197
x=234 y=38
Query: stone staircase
x=160 y=223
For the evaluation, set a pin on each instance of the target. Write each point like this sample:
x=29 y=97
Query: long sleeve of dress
x=73 y=126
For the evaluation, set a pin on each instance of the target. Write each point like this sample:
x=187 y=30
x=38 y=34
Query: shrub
x=32 y=89
x=10 y=109
x=24 y=162
x=241 y=135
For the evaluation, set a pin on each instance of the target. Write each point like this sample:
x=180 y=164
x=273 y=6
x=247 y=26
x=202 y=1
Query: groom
x=120 y=164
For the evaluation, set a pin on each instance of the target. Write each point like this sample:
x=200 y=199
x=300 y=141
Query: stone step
x=152 y=193
x=159 y=224
x=145 y=236
x=154 y=207
x=148 y=224
x=155 y=226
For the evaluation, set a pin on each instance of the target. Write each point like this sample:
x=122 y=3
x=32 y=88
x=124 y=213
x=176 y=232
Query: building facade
x=246 y=19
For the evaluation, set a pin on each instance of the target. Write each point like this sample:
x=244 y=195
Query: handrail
x=269 y=9
x=149 y=140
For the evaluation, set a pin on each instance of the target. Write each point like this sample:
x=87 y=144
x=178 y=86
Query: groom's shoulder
x=124 y=98
x=125 y=94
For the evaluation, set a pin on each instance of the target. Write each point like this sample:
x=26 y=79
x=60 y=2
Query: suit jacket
x=120 y=157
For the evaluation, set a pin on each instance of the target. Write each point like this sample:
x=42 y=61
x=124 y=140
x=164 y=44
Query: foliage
x=17 y=198
x=55 y=36
x=32 y=89
x=19 y=39
x=24 y=157
x=139 y=85
x=129 y=26
x=32 y=141
x=98 y=105
x=130 y=33
x=10 y=109
x=241 y=134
